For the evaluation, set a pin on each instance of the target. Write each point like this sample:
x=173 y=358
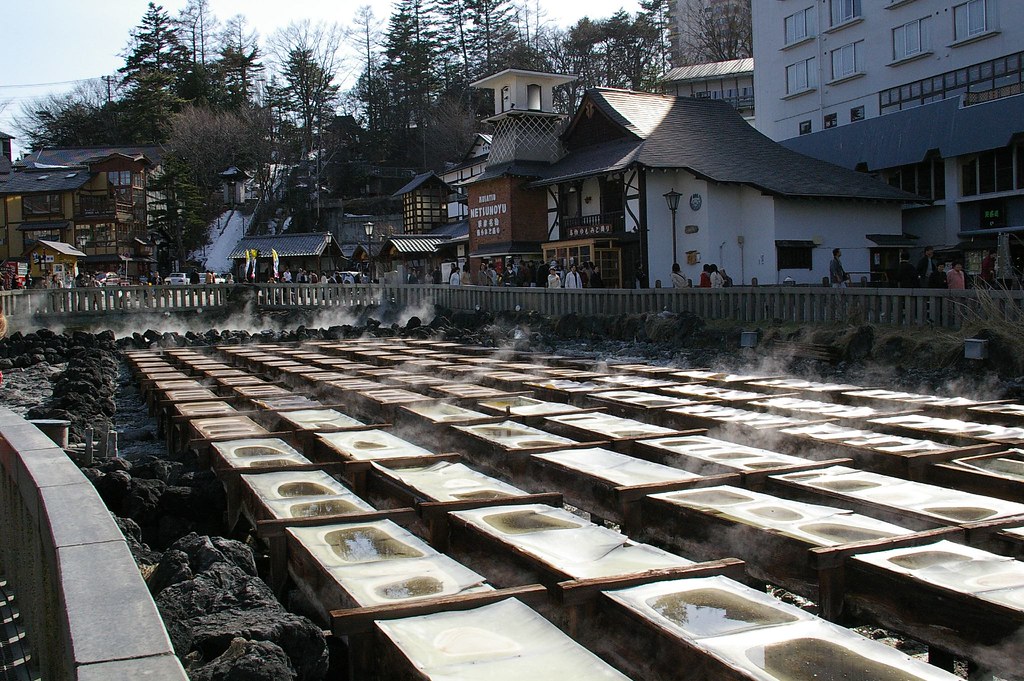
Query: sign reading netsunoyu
x=487 y=216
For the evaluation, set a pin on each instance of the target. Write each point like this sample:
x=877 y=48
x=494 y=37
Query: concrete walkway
x=14 y=655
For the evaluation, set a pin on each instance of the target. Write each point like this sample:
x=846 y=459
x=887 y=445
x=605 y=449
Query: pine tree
x=178 y=208
x=238 y=64
x=155 y=47
x=410 y=48
x=154 y=64
x=493 y=32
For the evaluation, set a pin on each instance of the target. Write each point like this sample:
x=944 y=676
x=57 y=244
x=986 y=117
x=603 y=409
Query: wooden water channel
x=413 y=490
x=796 y=304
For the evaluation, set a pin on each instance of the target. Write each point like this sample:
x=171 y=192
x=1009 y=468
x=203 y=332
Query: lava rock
x=224 y=600
x=246 y=660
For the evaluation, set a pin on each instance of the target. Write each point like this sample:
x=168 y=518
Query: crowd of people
x=711 y=276
x=928 y=272
x=528 y=274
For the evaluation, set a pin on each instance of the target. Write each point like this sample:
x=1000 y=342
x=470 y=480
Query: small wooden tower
x=526 y=128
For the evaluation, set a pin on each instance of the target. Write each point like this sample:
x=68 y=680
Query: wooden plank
x=358 y=620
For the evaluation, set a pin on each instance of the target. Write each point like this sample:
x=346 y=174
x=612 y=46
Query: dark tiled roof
x=5 y=167
x=892 y=239
x=286 y=245
x=609 y=157
x=906 y=137
x=48 y=181
x=73 y=156
x=451 y=230
x=418 y=181
x=711 y=140
x=44 y=225
x=5 y=136
x=514 y=169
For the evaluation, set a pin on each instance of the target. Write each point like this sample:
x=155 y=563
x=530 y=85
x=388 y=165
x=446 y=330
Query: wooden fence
x=796 y=304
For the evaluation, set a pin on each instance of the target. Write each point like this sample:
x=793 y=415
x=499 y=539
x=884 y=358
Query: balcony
x=102 y=208
x=593 y=225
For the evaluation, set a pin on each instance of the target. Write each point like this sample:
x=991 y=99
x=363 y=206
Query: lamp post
x=368 y=228
x=672 y=199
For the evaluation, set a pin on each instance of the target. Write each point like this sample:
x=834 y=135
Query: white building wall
x=659 y=224
x=779 y=115
x=834 y=224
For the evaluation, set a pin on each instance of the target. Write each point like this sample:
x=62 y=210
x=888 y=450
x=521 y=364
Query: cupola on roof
x=517 y=90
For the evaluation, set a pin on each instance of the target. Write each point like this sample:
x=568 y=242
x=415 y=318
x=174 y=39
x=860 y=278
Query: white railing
x=796 y=304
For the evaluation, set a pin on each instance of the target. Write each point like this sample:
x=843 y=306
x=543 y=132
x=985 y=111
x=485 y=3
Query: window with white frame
x=970 y=19
x=799 y=25
x=910 y=39
x=801 y=76
x=846 y=60
x=844 y=10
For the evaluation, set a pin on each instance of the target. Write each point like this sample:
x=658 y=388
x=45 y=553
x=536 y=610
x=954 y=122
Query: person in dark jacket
x=926 y=265
x=906 y=274
x=938 y=276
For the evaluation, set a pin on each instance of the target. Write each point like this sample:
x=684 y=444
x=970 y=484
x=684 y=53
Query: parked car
x=176 y=279
x=108 y=278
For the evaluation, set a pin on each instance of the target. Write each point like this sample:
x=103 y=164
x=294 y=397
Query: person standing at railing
x=987 y=276
x=554 y=281
x=926 y=265
x=938 y=276
x=573 y=278
x=454 y=279
x=955 y=277
x=678 y=280
x=906 y=274
x=836 y=272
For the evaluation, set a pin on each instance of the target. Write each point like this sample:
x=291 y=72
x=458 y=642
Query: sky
x=48 y=46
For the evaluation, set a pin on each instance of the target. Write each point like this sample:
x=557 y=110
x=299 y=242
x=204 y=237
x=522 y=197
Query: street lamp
x=368 y=228
x=672 y=199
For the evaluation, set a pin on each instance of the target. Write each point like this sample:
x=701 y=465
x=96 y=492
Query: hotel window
x=910 y=39
x=844 y=10
x=970 y=19
x=846 y=60
x=41 y=204
x=857 y=114
x=831 y=121
x=799 y=25
x=990 y=172
x=805 y=127
x=801 y=76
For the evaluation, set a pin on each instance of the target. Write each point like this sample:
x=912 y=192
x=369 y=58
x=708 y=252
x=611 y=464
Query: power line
x=58 y=82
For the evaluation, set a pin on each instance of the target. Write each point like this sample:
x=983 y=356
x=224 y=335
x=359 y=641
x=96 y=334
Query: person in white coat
x=453 y=278
x=554 y=281
x=573 y=278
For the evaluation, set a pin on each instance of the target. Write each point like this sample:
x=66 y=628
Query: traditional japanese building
x=607 y=189
x=92 y=198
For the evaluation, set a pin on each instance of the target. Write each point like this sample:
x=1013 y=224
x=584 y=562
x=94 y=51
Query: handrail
x=86 y=609
x=747 y=304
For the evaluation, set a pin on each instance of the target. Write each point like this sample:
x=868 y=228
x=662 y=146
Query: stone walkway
x=14 y=656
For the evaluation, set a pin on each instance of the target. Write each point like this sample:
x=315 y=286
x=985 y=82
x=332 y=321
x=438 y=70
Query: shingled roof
x=286 y=245
x=76 y=156
x=709 y=139
x=45 y=181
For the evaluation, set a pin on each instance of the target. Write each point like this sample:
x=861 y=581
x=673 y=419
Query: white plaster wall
x=659 y=224
x=837 y=224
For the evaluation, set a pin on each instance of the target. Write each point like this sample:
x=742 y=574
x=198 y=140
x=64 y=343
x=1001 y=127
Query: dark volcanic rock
x=246 y=661
x=224 y=600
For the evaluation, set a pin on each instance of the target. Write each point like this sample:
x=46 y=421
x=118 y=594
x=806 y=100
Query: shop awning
x=893 y=240
x=47 y=226
x=504 y=248
x=409 y=245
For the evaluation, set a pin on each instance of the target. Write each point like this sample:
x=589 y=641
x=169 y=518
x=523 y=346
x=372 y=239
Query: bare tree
x=197 y=26
x=308 y=59
x=716 y=31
